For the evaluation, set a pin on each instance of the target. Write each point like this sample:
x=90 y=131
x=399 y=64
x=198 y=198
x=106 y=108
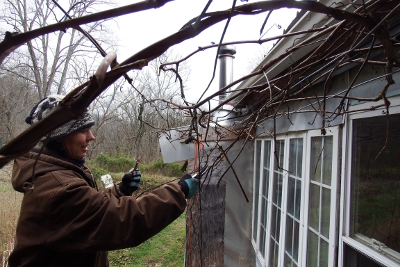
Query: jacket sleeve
x=83 y=219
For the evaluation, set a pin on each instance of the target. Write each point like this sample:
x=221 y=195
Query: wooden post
x=205 y=221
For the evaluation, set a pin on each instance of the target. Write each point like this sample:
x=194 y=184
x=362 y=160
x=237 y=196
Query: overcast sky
x=137 y=31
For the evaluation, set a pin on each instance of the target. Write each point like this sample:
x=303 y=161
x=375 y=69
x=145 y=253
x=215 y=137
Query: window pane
x=289 y=235
x=278 y=225
x=324 y=253
x=273 y=259
x=299 y=157
x=276 y=200
x=327 y=160
x=279 y=179
x=257 y=185
x=273 y=221
x=297 y=200
x=296 y=228
x=320 y=201
x=288 y=261
x=292 y=157
x=316 y=153
x=264 y=196
x=261 y=246
x=267 y=154
x=278 y=174
x=263 y=208
x=279 y=152
x=313 y=218
x=325 y=211
x=293 y=200
x=291 y=195
x=277 y=189
x=354 y=258
x=296 y=156
x=312 y=250
x=263 y=226
x=375 y=179
x=292 y=239
x=275 y=233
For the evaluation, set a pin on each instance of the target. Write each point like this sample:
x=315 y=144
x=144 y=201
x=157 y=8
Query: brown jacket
x=65 y=221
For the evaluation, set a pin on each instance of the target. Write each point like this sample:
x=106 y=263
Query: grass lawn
x=165 y=249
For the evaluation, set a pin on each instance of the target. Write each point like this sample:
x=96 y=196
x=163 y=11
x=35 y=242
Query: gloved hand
x=189 y=185
x=130 y=182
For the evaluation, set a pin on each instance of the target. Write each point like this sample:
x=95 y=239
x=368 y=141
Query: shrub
x=114 y=164
x=104 y=164
x=169 y=169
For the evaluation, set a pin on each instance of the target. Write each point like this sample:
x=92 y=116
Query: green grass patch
x=164 y=249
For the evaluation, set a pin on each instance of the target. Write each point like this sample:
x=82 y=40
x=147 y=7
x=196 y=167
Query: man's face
x=77 y=143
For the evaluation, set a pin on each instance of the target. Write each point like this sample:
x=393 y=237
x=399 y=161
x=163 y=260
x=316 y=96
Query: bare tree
x=367 y=19
x=16 y=96
x=49 y=58
x=128 y=122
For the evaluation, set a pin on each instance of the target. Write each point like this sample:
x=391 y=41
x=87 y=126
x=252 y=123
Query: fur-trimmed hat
x=44 y=107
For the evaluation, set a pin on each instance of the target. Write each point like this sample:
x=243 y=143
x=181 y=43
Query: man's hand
x=189 y=185
x=130 y=182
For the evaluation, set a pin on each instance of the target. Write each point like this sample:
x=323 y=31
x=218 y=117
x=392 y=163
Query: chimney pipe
x=226 y=57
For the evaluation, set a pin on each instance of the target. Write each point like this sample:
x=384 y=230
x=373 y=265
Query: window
x=295 y=198
x=375 y=179
x=321 y=204
x=374 y=218
x=260 y=216
x=356 y=259
x=276 y=205
x=257 y=160
x=293 y=202
x=264 y=194
x=320 y=201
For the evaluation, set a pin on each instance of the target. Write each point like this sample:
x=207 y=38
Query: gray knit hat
x=43 y=108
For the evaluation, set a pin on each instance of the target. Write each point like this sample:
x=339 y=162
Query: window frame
x=345 y=190
x=304 y=201
x=286 y=139
x=255 y=243
x=334 y=207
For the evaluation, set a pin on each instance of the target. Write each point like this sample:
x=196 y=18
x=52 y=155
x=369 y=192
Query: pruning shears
x=200 y=172
x=134 y=168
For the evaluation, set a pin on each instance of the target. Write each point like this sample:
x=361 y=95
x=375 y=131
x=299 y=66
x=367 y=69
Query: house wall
x=301 y=115
x=237 y=238
x=342 y=244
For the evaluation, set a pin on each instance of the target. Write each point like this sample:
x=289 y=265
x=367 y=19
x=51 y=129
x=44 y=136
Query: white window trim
x=282 y=235
x=331 y=131
x=283 y=200
x=304 y=208
x=303 y=215
x=345 y=190
x=368 y=251
x=256 y=194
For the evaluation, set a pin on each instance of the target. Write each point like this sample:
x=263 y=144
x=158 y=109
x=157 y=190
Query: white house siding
x=349 y=205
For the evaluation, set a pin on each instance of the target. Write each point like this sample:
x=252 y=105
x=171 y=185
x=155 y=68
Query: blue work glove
x=130 y=182
x=189 y=185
